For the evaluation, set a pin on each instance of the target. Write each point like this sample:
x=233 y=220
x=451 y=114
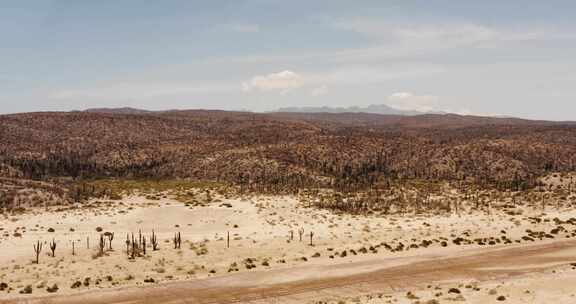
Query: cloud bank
x=283 y=82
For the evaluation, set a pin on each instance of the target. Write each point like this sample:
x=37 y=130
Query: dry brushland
x=227 y=207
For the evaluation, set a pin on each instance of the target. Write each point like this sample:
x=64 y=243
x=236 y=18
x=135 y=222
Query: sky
x=485 y=57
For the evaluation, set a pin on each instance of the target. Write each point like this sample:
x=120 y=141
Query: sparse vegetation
x=356 y=189
x=269 y=153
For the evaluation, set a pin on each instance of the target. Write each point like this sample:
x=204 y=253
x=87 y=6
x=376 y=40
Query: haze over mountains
x=123 y=110
x=374 y=109
x=377 y=114
x=380 y=109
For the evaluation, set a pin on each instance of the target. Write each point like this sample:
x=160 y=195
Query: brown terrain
x=130 y=206
x=281 y=152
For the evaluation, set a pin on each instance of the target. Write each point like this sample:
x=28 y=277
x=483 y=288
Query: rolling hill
x=283 y=151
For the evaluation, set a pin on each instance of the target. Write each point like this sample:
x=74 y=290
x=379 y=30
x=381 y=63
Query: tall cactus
x=127 y=244
x=154 y=241
x=177 y=240
x=110 y=239
x=101 y=245
x=53 y=247
x=38 y=250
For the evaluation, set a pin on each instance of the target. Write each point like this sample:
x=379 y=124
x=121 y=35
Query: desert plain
x=214 y=246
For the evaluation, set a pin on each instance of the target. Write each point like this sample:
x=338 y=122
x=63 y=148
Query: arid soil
x=475 y=276
x=406 y=258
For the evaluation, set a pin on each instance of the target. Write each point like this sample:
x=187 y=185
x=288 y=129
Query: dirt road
x=302 y=284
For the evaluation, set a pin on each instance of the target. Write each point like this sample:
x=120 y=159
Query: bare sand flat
x=407 y=277
x=349 y=256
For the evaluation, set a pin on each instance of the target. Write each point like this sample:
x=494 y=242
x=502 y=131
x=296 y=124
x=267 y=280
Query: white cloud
x=411 y=101
x=318 y=82
x=457 y=33
x=283 y=81
x=319 y=91
x=446 y=35
x=468 y=112
x=428 y=103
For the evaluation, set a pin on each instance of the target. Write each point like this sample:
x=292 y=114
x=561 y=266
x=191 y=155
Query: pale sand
x=259 y=228
x=553 y=286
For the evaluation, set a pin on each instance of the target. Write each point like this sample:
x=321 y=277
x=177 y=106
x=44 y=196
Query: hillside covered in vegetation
x=282 y=152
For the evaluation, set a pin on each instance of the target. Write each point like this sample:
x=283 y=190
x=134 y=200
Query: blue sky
x=470 y=57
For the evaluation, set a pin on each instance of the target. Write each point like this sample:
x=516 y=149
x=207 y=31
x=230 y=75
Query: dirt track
x=305 y=283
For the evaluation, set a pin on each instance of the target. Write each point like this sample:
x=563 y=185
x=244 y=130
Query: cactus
x=127 y=245
x=38 y=250
x=53 y=247
x=139 y=238
x=177 y=240
x=101 y=245
x=154 y=241
x=301 y=233
x=110 y=238
x=311 y=236
x=133 y=252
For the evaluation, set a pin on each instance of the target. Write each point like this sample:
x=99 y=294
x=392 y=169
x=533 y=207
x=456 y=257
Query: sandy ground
x=543 y=284
x=465 y=276
x=260 y=240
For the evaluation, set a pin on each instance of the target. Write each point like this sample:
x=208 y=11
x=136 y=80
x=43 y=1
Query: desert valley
x=106 y=206
x=287 y=152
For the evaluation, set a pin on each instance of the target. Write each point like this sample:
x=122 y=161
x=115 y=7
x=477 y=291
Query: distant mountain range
x=381 y=109
x=372 y=109
x=124 y=110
